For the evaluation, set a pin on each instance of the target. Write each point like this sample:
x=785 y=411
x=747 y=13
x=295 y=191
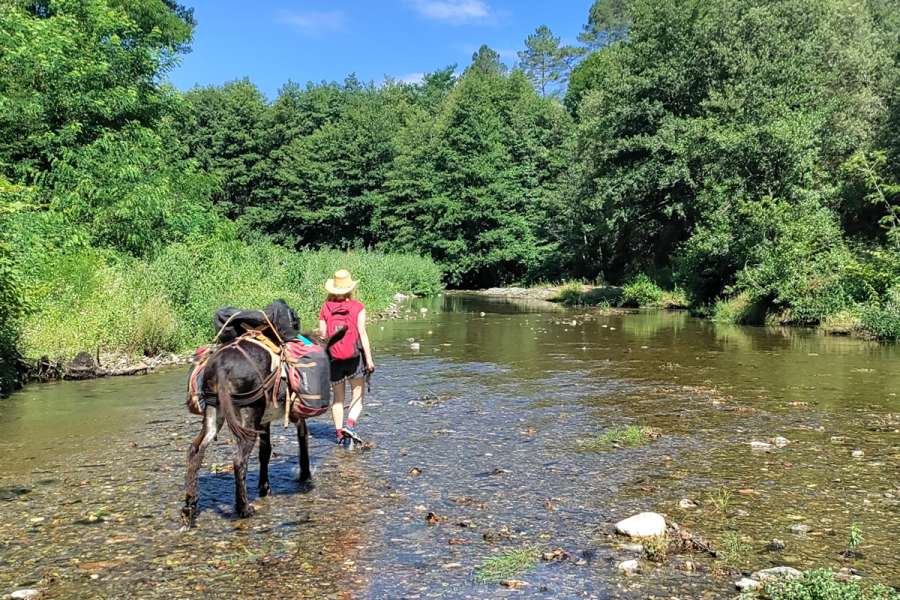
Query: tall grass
x=89 y=299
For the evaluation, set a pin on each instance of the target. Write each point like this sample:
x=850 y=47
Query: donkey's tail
x=243 y=434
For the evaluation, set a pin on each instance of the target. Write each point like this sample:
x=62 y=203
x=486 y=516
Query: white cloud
x=315 y=21
x=454 y=11
x=411 y=78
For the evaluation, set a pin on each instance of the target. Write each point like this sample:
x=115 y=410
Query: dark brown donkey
x=235 y=372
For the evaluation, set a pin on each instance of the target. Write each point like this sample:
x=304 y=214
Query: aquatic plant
x=732 y=550
x=630 y=436
x=820 y=584
x=506 y=564
x=656 y=548
x=720 y=499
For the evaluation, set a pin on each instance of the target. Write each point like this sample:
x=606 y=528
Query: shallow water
x=491 y=412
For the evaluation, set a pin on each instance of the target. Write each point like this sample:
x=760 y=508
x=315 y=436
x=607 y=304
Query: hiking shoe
x=349 y=434
x=339 y=437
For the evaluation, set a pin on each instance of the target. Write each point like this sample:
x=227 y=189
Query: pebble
x=745 y=584
x=415 y=346
x=629 y=567
x=857 y=454
x=634 y=548
x=799 y=529
x=776 y=544
x=776 y=573
x=25 y=594
x=686 y=503
x=761 y=446
x=780 y=442
x=646 y=524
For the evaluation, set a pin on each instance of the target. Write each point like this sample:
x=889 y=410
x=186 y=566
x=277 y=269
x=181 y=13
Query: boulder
x=799 y=529
x=25 y=594
x=745 y=584
x=646 y=524
x=629 y=567
x=776 y=573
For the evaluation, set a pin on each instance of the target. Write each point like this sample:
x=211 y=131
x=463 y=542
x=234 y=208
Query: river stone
x=646 y=524
x=761 y=446
x=799 y=528
x=776 y=573
x=25 y=594
x=776 y=545
x=780 y=442
x=745 y=584
x=686 y=503
x=857 y=454
x=629 y=567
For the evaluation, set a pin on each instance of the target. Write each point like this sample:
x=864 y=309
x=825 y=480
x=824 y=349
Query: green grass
x=508 y=563
x=640 y=292
x=629 y=436
x=92 y=299
x=820 y=584
x=732 y=550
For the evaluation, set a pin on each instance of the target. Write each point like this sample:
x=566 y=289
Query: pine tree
x=545 y=62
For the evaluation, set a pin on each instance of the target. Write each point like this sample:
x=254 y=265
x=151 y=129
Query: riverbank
x=86 y=366
x=866 y=323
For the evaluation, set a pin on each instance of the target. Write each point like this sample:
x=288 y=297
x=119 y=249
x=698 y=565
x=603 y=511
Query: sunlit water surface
x=485 y=427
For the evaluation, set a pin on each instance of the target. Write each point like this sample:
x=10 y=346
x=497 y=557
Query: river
x=488 y=426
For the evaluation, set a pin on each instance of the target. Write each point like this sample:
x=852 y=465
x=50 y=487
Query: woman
x=351 y=357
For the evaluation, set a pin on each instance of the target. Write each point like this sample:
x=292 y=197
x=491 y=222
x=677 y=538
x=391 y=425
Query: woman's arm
x=323 y=328
x=364 y=338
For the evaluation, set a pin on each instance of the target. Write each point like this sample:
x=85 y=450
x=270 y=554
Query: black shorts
x=347 y=368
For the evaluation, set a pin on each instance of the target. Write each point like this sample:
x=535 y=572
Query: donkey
x=234 y=371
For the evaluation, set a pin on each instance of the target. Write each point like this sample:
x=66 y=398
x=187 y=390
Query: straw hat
x=342 y=283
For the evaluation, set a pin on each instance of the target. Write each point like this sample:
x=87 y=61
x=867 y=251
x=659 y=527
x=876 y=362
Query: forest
x=744 y=153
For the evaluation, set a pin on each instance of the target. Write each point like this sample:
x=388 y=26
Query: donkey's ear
x=335 y=338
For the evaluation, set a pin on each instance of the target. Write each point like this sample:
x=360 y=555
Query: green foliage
x=820 y=584
x=128 y=191
x=732 y=550
x=507 y=564
x=883 y=319
x=608 y=22
x=71 y=70
x=617 y=437
x=641 y=291
x=86 y=299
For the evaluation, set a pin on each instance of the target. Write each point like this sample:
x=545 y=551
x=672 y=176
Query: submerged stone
x=629 y=567
x=745 y=584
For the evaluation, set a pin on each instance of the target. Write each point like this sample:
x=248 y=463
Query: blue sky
x=272 y=41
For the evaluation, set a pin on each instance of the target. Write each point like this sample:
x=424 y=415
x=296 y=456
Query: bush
x=87 y=299
x=883 y=320
x=641 y=291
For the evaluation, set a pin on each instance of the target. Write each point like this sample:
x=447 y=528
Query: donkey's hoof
x=264 y=490
x=246 y=511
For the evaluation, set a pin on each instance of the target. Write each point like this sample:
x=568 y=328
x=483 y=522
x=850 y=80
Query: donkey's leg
x=249 y=417
x=211 y=425
x=265 y=453
x=303 y=442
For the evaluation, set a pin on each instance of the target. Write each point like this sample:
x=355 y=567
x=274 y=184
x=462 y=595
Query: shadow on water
x=484 y=427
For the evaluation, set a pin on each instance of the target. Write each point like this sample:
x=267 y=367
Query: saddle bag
x=309 y=378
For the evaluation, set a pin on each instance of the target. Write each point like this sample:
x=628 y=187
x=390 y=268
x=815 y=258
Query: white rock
x=780 y=442
x=745 y=584
x=857 y=454
x=629 y=567
x=633 y=548
x=686 y=503
x=799 y=528
x=646 y=524
x=763 y=446
x=415 y=346
x=25 y=594
x=776 y=573
x=423 y=310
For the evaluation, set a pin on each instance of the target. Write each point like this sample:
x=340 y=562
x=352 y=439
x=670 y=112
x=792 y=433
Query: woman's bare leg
x=337 y=406
x=357 y=392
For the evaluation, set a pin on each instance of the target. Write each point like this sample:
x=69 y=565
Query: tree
x=69 y=71
x=608 y=22
x=545 y=62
